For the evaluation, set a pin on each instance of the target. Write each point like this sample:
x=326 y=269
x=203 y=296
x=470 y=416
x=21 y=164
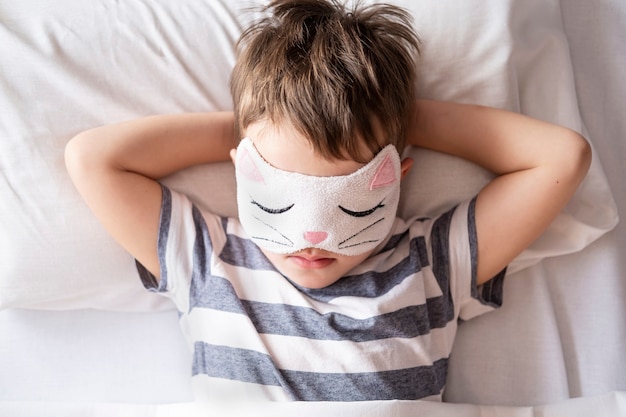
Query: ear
x=245 y=164
x=385 y=174
x=405 y=167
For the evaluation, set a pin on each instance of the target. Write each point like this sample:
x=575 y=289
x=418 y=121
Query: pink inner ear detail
x=385 y=174
x=248 y=168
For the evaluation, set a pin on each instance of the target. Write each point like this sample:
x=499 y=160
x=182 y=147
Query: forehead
x=251 y=168
x=285 y=148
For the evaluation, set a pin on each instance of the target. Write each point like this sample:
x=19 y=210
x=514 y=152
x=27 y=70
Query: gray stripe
x=244 y=253
x=149 y=281
x=307 y=323
x=374 y=284
x=254 y=367
x=234 y=364
x=218 y=293
x=202 y=245
x=440 y=245
x=205 y=289
x=402 y=384
x=490 y=293
x=214 y=292
x=164 y=228
x=473 y=241
x=208 y=291
x=394 y=240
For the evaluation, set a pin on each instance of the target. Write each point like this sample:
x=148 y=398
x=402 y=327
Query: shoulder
x=457 y=222
x=444 y=244
x=183 y=219
x=187 y=235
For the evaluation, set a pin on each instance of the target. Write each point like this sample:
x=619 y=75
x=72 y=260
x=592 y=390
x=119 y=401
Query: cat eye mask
x=285 y=212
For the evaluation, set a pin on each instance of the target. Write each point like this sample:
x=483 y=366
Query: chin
x=311 y=281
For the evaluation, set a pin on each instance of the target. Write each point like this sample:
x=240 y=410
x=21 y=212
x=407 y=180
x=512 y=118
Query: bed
x=78 y=334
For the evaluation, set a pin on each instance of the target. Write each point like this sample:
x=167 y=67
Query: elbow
x=574 y=156
x=587 y=154
x=75 y=155
x=581 y=155
x=82 y=157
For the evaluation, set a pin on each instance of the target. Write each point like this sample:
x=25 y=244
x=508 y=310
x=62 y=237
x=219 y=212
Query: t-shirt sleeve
x=184 y=247
x=453 y=242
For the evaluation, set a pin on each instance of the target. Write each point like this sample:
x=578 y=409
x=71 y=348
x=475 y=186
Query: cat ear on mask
x=246 y=165
x=385 y=174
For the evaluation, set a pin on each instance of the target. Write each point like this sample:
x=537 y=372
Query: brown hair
x=329 y=71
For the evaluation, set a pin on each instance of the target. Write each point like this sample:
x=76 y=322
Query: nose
x=315 y=237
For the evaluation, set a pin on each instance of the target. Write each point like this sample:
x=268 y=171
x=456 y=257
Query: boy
x=319 y=292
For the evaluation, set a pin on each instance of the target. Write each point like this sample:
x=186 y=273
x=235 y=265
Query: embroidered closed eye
x=362 y=213
x=271 y=210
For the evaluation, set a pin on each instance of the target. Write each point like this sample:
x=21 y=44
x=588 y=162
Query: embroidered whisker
x=277 y=231
x=357 y=244
x=270 y=240
x=358 y=233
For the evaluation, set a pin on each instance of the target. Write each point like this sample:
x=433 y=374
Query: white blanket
x=609 y=405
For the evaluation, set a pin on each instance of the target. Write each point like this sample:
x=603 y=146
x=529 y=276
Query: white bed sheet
x=588 y=309
x=571 y=335
x=93 y=356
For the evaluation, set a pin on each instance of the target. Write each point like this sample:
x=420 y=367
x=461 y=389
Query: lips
x=311 y=262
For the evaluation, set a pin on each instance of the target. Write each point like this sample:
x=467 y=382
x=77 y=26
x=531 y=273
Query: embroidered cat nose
x=315 y=237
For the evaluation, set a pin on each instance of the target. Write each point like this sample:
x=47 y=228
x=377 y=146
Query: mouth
x=311 y=262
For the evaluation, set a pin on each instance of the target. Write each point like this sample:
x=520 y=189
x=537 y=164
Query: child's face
x=285 y=149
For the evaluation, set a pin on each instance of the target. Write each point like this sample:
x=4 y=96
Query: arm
x=115 y=168
x=538 y=166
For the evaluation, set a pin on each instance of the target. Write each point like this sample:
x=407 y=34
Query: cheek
x=350 y=262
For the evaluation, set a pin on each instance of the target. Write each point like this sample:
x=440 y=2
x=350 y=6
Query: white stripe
x=179 y=250
x=272 y=288
x=309 y=355
x=225 y=329
x=460 y=257
x=473 y=308
x=329 y=356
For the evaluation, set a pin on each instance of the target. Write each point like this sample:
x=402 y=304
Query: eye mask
x=285 y=212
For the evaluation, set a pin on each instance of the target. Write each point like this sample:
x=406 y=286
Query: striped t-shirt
x=384 y=331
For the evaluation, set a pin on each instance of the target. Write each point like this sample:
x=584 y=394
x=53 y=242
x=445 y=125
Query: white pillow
x=72 y=65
